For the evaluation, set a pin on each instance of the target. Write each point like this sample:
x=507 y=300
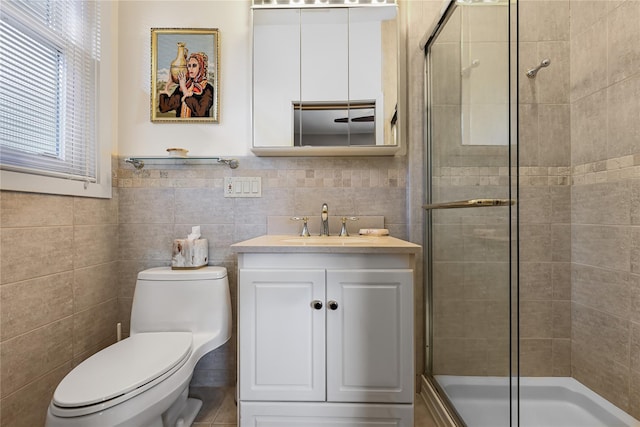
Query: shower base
x=544 y=402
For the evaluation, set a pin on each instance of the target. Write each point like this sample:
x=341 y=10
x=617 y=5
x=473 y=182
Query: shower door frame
x=514 y=332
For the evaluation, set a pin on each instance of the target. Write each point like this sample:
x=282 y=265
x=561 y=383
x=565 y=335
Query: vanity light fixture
x=257 y=4
x=481 y=2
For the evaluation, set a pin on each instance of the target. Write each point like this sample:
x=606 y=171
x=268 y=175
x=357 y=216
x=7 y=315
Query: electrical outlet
x=243 y=186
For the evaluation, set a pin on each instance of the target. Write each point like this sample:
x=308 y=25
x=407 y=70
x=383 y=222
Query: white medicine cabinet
x=325 y=81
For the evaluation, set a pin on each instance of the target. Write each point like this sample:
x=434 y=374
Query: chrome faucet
x=305 y=227
x=343 y=231
x=324 y=217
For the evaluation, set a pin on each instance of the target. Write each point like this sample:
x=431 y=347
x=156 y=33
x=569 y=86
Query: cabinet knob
x=317 y=304
x=333 y=305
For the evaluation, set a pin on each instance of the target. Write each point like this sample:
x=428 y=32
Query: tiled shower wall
x=580 y=132
x=471 y=272
x=471 y=269
x=579 y=206
x=605 y=279
x=545 y=277
x=544 y=190
x=472 y=313
x=605 y=199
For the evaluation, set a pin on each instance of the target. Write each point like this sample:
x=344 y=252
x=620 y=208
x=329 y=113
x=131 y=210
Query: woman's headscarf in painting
x=197 y=84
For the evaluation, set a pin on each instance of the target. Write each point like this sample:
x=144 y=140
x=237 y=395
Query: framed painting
x=185 y=75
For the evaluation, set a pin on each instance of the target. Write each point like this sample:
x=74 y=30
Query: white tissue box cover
x=190 y=253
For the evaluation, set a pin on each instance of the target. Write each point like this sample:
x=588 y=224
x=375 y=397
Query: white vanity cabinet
x=325 y=338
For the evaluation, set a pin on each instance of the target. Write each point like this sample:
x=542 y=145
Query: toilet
x=143 y=381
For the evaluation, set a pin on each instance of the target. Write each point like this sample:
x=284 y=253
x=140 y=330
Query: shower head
x=467 y=70
x=532 y=72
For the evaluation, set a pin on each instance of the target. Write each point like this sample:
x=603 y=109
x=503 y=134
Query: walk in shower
x=532 y=214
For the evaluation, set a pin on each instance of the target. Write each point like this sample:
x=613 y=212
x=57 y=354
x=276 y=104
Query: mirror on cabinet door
x=325 y=81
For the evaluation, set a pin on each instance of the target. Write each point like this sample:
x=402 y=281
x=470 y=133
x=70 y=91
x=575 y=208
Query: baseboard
x=436 y=407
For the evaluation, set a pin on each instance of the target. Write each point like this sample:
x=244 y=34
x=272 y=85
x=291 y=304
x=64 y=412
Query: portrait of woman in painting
x=185 y=68
x=193 y=96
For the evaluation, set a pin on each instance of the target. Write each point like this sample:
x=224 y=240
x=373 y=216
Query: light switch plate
x=243 y=186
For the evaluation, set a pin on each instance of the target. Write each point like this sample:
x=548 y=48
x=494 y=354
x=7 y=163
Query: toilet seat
x=120 y=372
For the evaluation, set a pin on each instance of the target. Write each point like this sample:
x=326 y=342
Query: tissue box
x=189 y=253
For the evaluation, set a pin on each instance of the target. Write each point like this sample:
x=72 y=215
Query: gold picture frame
x=185 y=75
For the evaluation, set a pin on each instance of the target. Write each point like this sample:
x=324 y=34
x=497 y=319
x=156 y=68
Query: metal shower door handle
x=471 y=203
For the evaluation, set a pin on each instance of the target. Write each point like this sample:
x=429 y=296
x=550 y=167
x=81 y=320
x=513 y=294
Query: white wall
x=137 y=135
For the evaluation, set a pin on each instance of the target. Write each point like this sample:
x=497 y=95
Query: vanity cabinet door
x=370 y=336
x=282 y=335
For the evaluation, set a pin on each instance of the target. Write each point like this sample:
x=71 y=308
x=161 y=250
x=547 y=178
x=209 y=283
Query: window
x=50 y=58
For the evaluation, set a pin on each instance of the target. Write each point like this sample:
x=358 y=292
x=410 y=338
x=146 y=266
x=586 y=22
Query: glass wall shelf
x=139 y=161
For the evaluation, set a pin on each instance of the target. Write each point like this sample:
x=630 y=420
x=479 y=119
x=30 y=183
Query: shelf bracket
x=232 y=163
x=138 y=164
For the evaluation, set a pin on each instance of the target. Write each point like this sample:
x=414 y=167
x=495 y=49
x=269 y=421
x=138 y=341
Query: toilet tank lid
x=166 y=273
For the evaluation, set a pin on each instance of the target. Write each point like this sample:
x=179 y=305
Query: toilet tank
x=167 y=300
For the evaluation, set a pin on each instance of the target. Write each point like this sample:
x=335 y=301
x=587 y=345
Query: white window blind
x=49 y=61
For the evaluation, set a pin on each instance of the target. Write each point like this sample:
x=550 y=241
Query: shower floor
x=544 y=402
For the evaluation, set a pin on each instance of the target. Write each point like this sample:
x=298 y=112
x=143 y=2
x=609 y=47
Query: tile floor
x=219 y=408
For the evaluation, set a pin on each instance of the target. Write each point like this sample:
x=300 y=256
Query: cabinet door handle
x=317 y=304
x=333 y=305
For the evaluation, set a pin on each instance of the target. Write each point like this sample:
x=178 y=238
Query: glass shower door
x=470 y=213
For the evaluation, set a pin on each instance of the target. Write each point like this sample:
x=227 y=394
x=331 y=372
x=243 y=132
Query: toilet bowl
x=143 y=381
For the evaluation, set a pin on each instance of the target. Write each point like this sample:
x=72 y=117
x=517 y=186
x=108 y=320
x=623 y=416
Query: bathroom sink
x=281 y=243
x=327 y=240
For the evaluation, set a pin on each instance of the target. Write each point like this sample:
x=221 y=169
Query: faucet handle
x=343 y=230
x=305 y=228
